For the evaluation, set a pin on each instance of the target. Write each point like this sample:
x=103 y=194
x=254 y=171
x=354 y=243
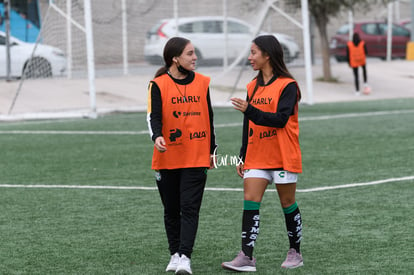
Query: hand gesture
x=160 y=144
x=239 y=104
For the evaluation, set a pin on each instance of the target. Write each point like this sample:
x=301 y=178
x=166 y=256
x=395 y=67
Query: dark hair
x=174 y=47
x=356 y=39
x=268 y=44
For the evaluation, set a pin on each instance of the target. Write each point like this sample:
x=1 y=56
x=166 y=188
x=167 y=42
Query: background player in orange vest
x=356 y=55
x=180 y=120
x=270 y=149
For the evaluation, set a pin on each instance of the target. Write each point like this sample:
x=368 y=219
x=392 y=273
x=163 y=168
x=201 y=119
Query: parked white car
x=207 y=35
x=46 y=62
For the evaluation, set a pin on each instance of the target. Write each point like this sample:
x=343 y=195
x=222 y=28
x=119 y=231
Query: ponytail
x=161 y=71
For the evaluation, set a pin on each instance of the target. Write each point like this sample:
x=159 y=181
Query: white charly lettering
x=253 y=236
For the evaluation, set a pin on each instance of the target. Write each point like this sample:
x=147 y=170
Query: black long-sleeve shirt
x=155 y=117
x=285 y=108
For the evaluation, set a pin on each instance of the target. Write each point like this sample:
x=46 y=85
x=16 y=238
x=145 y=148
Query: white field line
x=316 y=189
x=63 y=132
x=352 y=115
x=236 y=124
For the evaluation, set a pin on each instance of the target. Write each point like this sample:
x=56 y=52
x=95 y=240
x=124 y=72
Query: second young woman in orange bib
x=270 y=149
x=356 y=53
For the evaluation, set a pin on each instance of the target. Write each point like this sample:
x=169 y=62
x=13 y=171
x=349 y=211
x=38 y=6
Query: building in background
x=25 y=20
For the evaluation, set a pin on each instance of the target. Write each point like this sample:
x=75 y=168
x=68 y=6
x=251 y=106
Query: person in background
x=180 y=120
x=356 y=53
x=270 y=150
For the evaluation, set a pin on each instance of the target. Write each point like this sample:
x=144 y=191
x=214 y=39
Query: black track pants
x=181 y=193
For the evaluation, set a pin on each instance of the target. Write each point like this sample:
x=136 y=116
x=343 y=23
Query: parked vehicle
x=46 y=62
x=374 y=33
x=406 y=23
x=207 y=35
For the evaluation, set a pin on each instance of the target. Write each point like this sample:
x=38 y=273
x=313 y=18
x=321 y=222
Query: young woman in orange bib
x=180 y=120
x=356 y=53
x=270 y=150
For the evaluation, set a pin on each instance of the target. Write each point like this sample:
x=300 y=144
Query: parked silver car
x=207 y=35
x=46 y=62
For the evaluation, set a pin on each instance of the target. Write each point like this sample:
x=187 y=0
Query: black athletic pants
x=356 y=76
x=181 y=193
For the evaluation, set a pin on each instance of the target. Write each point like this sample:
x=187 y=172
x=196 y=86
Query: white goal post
x=89 y=45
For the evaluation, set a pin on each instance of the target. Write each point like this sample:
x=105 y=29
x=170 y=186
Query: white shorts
x=273 y=176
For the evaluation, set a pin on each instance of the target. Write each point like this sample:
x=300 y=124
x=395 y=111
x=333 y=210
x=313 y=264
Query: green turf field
x=77 y=196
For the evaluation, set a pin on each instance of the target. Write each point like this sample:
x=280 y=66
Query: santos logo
x=198 y=135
